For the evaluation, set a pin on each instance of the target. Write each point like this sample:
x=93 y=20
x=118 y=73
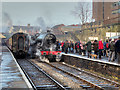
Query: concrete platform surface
x=103 y=60
x=10 y=76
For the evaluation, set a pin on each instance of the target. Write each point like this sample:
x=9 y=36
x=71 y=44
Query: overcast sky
x=51 y=13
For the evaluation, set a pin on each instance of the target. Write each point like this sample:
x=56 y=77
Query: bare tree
x=83 y=11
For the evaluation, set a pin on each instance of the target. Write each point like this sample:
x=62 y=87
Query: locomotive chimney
x=28 y=25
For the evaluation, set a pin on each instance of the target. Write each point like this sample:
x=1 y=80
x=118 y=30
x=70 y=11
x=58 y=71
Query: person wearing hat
x=112 y=51
x=117 y=46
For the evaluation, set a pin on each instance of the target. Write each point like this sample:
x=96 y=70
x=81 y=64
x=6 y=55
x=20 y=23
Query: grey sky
x=53 y=13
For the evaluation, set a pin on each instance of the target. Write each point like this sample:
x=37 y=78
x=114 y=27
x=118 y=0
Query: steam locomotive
x=42 y=45
x=19 y=43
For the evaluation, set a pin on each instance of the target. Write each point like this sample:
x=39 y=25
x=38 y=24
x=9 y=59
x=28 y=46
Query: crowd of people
x=109 y=48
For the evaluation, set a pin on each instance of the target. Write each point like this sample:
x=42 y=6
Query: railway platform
x=10 y=75
x=110 y=70
x=103 y=59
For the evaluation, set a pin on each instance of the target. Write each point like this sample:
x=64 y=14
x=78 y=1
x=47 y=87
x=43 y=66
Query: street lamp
x=65 y=32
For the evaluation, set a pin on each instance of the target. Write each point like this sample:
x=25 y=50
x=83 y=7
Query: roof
x=16 y=28
x=72 y=27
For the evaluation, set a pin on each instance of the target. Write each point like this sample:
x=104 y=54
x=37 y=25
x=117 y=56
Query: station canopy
x=114 y=37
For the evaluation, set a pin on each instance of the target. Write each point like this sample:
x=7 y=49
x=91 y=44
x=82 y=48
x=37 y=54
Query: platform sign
x=111 y=34
x=93 y=38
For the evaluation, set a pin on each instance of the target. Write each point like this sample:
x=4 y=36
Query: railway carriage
x=18 y=43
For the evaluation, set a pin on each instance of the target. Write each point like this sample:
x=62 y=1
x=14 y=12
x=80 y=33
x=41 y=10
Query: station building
x=31 y=30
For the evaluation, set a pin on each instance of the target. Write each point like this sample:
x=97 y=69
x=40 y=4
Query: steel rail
x=61 y=87
x=91 y=84
x=28 y=77
x=108 y=80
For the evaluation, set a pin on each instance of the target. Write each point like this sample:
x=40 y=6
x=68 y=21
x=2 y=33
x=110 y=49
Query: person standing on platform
x=117 y=46
x=71 y=47
x=76 y=47
x=112 y=51
x=62 y=45
x=84 y=49
x=106 y=47
x=95 y=47
x=80 y=49
x=66 y=47
x=100 y=48
x=88 y=44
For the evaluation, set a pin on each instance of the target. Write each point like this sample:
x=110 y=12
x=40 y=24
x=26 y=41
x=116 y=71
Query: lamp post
x=65 y=32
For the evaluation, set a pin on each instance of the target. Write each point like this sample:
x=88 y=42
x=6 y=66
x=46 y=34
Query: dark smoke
x=41 y=23
x=6 y=19
x=6 y=22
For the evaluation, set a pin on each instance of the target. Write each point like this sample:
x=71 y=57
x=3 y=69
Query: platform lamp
x=110 y=30
x=65 y=32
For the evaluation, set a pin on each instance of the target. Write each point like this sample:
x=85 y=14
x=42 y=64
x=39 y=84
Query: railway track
x=84 y=79
x=39 y=79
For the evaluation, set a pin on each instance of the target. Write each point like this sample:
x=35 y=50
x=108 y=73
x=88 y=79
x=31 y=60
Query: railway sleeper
x=46 y=87
x=87 y=87
x=84 y=86
x=50 y=87
x=108 y=87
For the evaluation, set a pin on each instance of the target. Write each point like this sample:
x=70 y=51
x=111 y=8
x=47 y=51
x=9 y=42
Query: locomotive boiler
x=46 y=46
x=18 y=43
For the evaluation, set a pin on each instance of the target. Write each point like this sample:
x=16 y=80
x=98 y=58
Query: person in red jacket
x=62 y=45
x=100 y=48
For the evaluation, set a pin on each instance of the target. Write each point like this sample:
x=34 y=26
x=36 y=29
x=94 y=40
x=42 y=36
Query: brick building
x=108 y=12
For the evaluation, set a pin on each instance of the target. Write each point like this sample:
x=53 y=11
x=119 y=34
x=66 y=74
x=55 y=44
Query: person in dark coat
x=71 y=47
x=106 y=47
x=112 y=51
x=57 y=45
x=80 y=48
x=88 y=44
x=76 y=47
x=117 y=46
x=95 y=47
x=66 y=47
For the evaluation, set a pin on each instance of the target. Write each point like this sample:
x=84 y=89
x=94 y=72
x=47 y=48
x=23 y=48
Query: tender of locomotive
x=18 y=43
x=46 y=44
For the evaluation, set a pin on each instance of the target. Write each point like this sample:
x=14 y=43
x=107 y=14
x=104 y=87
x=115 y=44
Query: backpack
x=78 y=45
x=107 y=45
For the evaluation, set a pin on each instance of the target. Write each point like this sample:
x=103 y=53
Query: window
x=116 y=11
x=116 y=4
x=119 y=3
x=21 y=43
